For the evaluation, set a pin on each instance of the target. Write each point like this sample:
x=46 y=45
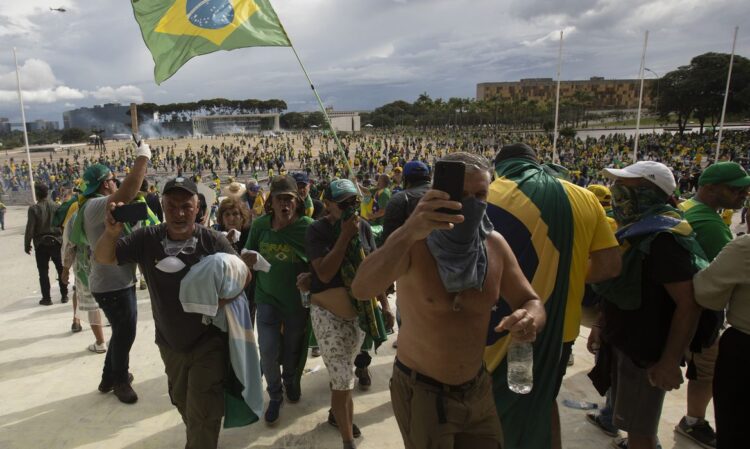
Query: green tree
x=708 y=73
x=292 y=120
x=676 y=95
x=73 y=135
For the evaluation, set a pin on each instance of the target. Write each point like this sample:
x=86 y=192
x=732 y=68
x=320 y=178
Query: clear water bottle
x=305 y=298
x=520 y=367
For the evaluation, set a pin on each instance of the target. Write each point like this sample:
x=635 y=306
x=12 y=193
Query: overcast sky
x=360 y=53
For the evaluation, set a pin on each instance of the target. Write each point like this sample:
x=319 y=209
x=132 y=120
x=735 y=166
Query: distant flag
x=177 y=30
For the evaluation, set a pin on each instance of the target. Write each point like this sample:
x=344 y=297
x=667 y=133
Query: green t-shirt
x=711 y=232
x=284 y=249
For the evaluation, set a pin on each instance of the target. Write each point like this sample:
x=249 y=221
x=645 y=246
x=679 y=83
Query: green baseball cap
x=340 y=190
x=729 y=173
x=93 y=177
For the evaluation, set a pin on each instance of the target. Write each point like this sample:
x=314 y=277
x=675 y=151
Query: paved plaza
x=49 y=400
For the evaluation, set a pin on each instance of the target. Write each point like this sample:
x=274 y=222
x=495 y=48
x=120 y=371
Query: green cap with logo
x=93 y=177
x=340 y=190
x=729 y=173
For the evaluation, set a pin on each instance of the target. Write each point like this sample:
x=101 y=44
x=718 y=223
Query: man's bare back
x=436 y=340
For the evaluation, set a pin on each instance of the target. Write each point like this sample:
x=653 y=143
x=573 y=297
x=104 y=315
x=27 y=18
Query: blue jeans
x=276 y=347
x=121 y=310
x=605 y=414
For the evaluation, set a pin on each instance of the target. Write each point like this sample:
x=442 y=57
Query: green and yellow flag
x=177 y=30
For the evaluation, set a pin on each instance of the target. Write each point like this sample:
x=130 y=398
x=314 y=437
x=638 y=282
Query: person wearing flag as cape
x=336 y=245
x=561 y=238
x=439 y=381
x=650 y=314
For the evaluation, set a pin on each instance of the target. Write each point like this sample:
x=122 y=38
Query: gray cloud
x=363 y=53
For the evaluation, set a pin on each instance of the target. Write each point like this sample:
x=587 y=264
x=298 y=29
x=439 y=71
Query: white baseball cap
x=656 y=172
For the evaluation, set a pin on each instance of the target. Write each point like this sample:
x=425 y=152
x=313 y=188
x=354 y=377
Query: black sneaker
x=105 y=386
x=272 y=412
x=365 y=381
x=64 y=299
x=332 y=421
x=293 y=393
x=125 y=393
x=701 y=432
x=45 y=302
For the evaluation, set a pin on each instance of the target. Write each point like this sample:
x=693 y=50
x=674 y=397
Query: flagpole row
x=23 y=122
x=555 y=156
x=325 y=114
x=640 y=100
x=726 y=94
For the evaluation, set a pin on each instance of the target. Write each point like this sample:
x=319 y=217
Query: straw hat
x=234 y=189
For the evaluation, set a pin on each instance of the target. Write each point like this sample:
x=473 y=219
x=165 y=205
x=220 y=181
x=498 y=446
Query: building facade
x=42 y=125
x=235 y=124
x=603 y=94
x=113 y=118
x=344 y=121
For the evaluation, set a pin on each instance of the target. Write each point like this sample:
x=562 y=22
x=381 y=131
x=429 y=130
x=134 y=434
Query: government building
x=606 y=94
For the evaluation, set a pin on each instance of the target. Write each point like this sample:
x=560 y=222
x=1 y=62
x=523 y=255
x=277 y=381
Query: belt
x=436 y=383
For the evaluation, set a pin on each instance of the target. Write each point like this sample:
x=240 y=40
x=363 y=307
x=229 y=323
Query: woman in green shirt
x=282 y=322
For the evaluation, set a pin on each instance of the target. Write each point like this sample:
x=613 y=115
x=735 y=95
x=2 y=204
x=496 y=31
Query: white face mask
x=170 y=264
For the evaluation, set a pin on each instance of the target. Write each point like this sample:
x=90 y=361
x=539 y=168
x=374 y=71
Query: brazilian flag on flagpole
x=177 y=30
x=532 y=211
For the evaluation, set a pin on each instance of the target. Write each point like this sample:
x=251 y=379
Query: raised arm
x=381 y=268
x=132 y=182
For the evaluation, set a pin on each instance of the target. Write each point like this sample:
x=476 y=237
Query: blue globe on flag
x=210 y=14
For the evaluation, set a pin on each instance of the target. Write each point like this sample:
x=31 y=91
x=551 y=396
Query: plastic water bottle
x=520 y=367
x=305 y=298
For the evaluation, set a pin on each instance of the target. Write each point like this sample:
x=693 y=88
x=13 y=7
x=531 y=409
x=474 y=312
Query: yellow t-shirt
x=727 y=215
x=591 y=232
x=259 y=205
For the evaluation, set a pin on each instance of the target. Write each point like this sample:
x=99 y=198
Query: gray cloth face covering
x=461 y=253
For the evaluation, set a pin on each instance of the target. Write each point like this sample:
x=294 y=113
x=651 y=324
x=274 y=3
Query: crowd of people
x=309 y=261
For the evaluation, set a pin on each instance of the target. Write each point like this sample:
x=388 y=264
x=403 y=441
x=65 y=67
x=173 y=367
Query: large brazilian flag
x=530 y=208
x=177 y=30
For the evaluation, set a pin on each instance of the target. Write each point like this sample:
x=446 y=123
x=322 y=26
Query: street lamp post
x=658 y=81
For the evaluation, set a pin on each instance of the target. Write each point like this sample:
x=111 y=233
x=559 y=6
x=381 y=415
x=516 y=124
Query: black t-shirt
x=642 y=334
x=175 y=328
x=320 y=239
x=400 y=207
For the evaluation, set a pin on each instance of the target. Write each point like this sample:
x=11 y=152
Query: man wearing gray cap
x=194 y=355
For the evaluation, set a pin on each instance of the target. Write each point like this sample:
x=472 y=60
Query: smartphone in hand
x=449 y=177
x=130 y=213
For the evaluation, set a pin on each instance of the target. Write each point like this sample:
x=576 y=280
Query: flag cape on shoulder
x=177 y=30
x=530 y=208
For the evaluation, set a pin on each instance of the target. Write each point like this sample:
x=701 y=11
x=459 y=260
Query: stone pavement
x=49 y=400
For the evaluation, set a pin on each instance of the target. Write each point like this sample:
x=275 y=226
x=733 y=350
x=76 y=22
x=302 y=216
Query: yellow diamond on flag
x=214 y=20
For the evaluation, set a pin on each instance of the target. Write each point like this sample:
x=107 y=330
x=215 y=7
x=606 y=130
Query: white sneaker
x=99 y=349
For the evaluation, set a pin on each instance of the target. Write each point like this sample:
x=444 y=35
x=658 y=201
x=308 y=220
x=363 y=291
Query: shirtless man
x=441 y=393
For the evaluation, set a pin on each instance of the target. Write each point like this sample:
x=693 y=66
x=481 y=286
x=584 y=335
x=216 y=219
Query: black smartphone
x=449 y=177
x=130 y=213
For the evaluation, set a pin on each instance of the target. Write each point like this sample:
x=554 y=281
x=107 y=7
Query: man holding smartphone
x=113 y=287
x=440 y=390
